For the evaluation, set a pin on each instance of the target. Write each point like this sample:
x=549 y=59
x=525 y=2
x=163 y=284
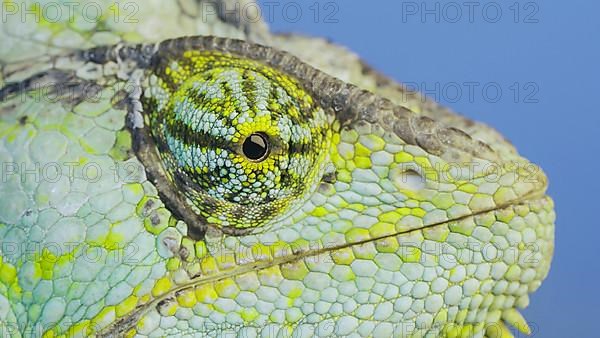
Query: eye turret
x=238 y=141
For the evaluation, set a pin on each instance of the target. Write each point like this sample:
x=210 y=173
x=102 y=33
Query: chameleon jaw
x=289 y=258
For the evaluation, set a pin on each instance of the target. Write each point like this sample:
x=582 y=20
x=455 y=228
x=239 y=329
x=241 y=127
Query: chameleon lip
x=123 y=324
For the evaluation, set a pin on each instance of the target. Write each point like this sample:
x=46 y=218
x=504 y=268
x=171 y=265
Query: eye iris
x=256 y=147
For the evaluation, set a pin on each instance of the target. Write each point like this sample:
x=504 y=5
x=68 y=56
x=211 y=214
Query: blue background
x=552 y=50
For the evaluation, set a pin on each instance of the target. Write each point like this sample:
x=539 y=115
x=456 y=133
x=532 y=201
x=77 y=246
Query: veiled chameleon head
x=242 y=141
x=273 y=198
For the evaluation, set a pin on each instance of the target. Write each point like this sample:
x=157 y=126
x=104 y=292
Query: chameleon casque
x=188 y=173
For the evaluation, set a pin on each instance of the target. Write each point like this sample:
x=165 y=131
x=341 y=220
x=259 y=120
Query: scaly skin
x=376 y=212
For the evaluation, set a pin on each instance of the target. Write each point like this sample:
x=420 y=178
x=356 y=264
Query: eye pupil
x=256 y=147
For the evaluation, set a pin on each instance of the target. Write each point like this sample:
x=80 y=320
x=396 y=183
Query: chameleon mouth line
x=124 y=324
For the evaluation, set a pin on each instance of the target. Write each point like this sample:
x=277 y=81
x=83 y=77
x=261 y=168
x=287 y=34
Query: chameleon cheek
x=239 y=143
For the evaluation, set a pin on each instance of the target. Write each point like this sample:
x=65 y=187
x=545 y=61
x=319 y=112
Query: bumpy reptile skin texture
x=412 y=222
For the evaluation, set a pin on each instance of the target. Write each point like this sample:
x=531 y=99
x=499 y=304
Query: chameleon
x=173 y=169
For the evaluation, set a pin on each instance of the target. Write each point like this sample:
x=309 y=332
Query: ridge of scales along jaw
x=339 y=194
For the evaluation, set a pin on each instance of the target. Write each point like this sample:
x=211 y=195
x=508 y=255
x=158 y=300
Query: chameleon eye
x=256 y=147
x=231 y=141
